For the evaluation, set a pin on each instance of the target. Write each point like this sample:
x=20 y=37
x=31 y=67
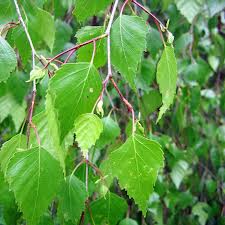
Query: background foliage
x=190 y=188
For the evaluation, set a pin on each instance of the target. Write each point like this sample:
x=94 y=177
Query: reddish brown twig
x=75 y=48
x=125 y=101
x=158 y=23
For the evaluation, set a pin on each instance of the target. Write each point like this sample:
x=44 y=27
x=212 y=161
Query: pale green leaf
x=10 y=107
x=167 y=78
x=189 y=9
x=42 y=27
x=86 y=8
x=9 y=149
x=73 y=91
x=128 y=39
x=200 y=210
x=107 y=210
x=7 y=60
x=87 y=128
x=128 y=221
x=72 y=199
x=85 y=53
x=41 y=176
x=36 y=73
x=178 y=172
x=136 y=164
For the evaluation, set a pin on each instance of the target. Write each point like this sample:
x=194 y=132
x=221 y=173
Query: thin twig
x=123 y=6
x=34 y=82
x=125 y=101
x=75 y=48
x=149 y=13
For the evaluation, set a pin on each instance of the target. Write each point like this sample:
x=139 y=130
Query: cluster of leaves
x=63 y=171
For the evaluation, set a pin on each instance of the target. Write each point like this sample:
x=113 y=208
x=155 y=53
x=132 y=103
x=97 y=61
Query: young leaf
x=136 y=164
x=73 y=91
x=7 y=60
x=34 y=176
x=86 y=8
x=36 y=73
x=166 y=78
x=88 y=128
x=9 y=149
x=85 y=53
x=128 y=42
x=72 y=199
x=107 y=210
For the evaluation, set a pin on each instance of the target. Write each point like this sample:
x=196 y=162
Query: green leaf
x=7 y=11
x=178 y=173
x=150 y=102
x=9 y=149
x=37 y=73
x=83 y=86
x=34 y=176
x=62 y=35
x=128 y=221
x=108 y=210
x=128 y=40
x=85 y=53
x=147 y=74
x=47 y=131
x=166 y=78
x=110 y=132
x=198 y=71
x=42 y=27
x=72 y=199
x=87 y=128
x=200 y=210
x=8 y=208
x=8 y=60
x=136 y=164
x=10 y=106
x=86 y=8
x=215 y=6
x=189 y=9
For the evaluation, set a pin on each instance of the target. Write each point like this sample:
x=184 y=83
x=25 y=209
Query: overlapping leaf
x=9 y=149
x=7 y=59
x=136 y=164
x=73 y=91
x=107 y=210
x=86 y=8
x=87 y=128
x=41 y=176
x=128 y=43
x=85 y=53
x=167 y=78
x=72 y=199
x=189 y=8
